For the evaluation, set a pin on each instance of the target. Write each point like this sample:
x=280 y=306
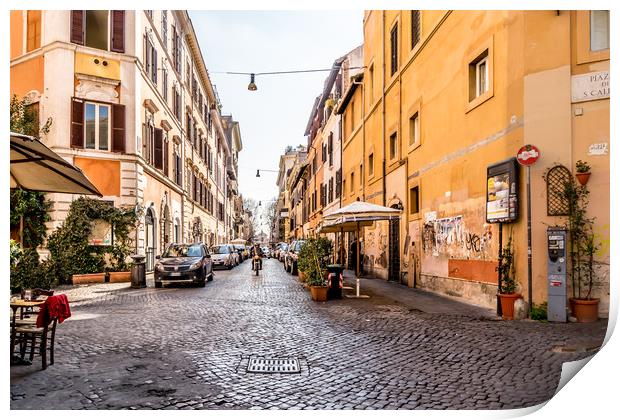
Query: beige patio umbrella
x=353 y=217
x=35 y=167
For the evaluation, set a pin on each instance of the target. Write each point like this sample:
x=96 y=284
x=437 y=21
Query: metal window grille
x=557 y=203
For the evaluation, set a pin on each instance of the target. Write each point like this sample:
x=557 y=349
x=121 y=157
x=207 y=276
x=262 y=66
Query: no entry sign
x=528 y=155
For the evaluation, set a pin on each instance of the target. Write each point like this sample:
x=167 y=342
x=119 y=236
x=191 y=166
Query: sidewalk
x=416 y=299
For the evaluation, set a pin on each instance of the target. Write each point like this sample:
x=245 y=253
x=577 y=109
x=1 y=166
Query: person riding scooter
x=257 y=252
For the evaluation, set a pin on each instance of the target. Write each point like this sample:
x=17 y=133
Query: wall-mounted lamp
x=252 y=85
x=258 y=173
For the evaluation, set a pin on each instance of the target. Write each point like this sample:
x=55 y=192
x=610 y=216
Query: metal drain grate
x=273 y=365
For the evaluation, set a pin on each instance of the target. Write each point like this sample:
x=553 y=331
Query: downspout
x=383 y=109
x=362 y=175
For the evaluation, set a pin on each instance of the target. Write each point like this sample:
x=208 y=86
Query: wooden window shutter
x=77 y=123
x=147 y=55
x=78 y=18
x=166 y=158
x=118 y=128
x=117 y=42
x=153 y=64
x=159 y=163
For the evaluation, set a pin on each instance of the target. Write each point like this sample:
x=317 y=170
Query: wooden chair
x=29 y=335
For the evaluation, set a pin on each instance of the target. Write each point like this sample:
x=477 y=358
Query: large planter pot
x=318 y=293
x=507 y=300
x=583 y=177
x=584 y=310
x=88 y=278
x=120 y=276
x=302 y=276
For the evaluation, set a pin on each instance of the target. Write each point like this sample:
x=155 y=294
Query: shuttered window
x=117 y=42
x=77 y=26
x=394 y=50
x=118 y=128
x=166 y=157
x=77 y=123
x=159 y=148
x=150 y=60
x=415 y=28
x=339 y=183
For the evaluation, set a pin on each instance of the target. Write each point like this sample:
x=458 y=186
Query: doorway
x=394 y=261
x=149 y=224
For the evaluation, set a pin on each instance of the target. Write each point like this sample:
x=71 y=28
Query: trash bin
x=138 y=271
x=334 y=281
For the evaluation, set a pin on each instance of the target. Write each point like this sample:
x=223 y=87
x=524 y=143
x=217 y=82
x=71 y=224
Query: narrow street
x=185 y=348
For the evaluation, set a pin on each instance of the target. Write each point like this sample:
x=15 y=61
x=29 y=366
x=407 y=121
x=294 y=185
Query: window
x=164 y=82
x=177 y=168
x=371 y=164
x=414 y=130
x=394 y=50
x=352 y=116
x=352 y=182
x=330 y=148
x=150 y=59
x=176 y=103
x=415 y=28
x=90 y=28
x=164 y=28
x=176 y=49
x=371 y=79
x=599 y=30
x=361 y=175
x=96 y=126
x=393 y=146
x=97 y=29
x=323 y=153
x=414 y=200
x=33 y=37
x=479 y=75
x=339 y=183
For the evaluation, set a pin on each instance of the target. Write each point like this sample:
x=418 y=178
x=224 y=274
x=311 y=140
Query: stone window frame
x=474 y=56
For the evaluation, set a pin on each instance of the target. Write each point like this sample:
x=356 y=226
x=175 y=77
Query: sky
x=276 y=114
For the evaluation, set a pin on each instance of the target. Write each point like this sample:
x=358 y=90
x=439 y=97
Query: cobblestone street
x=185 y=348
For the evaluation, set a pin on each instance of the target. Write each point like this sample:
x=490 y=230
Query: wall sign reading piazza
x=503 y=191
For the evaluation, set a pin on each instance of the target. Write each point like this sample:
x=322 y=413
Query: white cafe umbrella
x=354 y=216
x=37 y=168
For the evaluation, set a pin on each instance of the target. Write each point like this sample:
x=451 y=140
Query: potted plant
x=508 y=285
x=581 y=252
x=313 y=259
x=583 y=172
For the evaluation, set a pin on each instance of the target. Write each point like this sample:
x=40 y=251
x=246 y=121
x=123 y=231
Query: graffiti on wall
x=449 y=237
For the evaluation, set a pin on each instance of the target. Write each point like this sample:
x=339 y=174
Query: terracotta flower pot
x=318 y=293
x=583 y=177
x=120 y=276
x=88 y=278
x=302 y=276
x=507 y=300
x=585 y=310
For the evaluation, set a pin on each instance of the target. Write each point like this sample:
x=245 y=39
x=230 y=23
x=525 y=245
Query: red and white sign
x=528 y=155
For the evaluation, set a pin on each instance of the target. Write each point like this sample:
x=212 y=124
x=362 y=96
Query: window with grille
x=415 y=28
x=557 y=202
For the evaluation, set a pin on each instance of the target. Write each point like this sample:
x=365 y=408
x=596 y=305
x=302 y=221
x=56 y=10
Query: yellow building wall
x=531 y=58
x=17 y=33
x=27 y=76
x=104 y=174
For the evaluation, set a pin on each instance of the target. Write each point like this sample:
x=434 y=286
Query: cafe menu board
x=503 y=192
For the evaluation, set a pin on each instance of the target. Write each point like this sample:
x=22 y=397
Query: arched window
x=557 y=204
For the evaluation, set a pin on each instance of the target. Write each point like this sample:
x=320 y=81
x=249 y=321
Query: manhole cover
x=273 y=365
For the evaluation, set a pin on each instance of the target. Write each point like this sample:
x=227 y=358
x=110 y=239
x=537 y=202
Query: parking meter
x=556 y=273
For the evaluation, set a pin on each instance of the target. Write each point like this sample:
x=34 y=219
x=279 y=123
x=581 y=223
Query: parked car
x=224 y=256
x=184 y=263
x=266 y=251
x=280 y=252
x=243 y=254
x=290 y=261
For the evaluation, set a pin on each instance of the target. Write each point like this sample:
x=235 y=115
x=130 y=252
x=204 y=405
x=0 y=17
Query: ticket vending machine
x=556 y=273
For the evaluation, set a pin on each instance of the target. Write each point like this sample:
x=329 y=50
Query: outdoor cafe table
x=15 y=305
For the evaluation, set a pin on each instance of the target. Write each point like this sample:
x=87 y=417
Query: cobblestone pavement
x=185 y=348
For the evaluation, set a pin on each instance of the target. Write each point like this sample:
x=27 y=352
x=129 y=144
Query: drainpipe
x=383 y=109
x=362 y=175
